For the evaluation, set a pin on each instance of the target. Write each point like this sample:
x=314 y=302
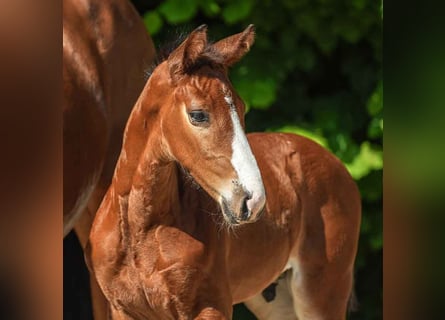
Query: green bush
x=315 y=70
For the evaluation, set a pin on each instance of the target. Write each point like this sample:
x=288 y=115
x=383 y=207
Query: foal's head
x=202 y=122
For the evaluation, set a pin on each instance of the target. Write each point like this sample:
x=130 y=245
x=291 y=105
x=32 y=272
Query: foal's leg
x=116 y=314
x=323 y=255
x=210 y=313
x=323 y=296
x=214 y=301
x=281 y=307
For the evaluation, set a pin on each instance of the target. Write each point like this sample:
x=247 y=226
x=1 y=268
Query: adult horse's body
x=161 y=248
x=106 y=49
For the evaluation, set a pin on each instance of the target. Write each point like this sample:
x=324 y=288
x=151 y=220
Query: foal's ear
x=186 y=55
x=233 y=48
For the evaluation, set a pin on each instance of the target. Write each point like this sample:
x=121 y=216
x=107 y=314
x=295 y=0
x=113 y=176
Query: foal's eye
x=198 y=117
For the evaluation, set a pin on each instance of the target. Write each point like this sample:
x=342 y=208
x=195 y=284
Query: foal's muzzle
x=242 y=207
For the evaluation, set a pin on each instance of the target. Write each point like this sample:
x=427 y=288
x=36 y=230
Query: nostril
x=245 y=214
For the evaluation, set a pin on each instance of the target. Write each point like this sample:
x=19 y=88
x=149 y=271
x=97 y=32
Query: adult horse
x=106 y=49
x=186 y=229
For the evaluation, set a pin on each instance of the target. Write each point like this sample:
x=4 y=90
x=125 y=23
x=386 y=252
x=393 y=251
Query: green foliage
x=236 y=11
x=178 y=11
x=315 y=70
x=368 y=159
x=153 y=22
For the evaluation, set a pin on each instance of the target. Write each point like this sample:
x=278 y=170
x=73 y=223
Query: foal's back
x=313 y=210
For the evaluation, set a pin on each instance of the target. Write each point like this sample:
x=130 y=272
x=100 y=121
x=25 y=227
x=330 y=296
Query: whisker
x=221 y=223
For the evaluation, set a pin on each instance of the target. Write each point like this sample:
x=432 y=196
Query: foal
x=185 y=231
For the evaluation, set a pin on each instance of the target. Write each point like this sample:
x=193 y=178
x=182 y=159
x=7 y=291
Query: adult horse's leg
x=82 y=228
x=279 y=303
x=98 y=301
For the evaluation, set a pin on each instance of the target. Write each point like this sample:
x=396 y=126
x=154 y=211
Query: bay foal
x=105 y=51
x=198 y=217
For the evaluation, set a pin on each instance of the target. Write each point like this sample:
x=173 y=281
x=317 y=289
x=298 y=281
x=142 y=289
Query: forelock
x=209 y=56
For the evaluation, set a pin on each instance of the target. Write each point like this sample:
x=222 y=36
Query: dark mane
x=164 y=52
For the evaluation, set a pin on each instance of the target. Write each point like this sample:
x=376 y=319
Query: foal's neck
x=162 y=193
x=153 y=198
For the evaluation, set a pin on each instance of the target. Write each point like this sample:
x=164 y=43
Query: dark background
x=315 y=70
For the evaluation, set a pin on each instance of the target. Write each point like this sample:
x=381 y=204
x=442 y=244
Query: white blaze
x=244 y=163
